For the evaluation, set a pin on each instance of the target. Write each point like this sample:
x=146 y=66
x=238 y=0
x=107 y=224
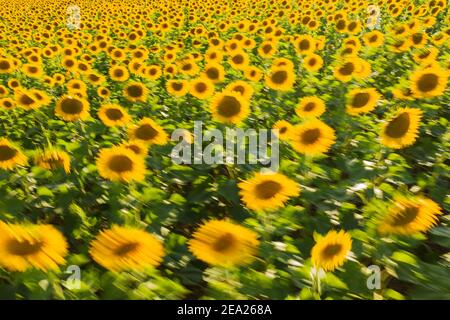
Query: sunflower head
x=330 y=252
x=148 y=132
x=267 y=191
x=283 y=129
x=401 y=130
x=135 y=92
x=429 y=82
x=70 y=108
x=313 y=137
x=362 y=100
x=120 y=164
x=52 y=159
x=223 y=243
x=126 y=248
x=409 y=215
x=25 y=246
x=113 y=115
x=229 y=107
x=10 y=155
x=310 y=107
x=177 y=88
x=280 y=78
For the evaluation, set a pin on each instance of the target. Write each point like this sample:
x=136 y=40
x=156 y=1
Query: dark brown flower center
x=428 y=82
x=71 y=106
x=310 y=136
x=224 y=242
x=23 y=248
x=267 y=189
x=360 y=99
x=399 y=126
x=120 y=163
x=229 y=106
x=146 y=132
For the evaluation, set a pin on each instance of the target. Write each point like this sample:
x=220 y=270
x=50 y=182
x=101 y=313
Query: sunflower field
x=92 y=205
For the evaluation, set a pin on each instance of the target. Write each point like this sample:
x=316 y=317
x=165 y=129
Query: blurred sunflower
x=24 y=246
x=71 y=108
x=135 y=92
x=10 y=155
x=53 y=158
x=409 y=215
x=229 y=107
x=310 y=107
x=283 y=129
x=177 y=88
x=429 y=82
x=280 y=78
x=139 y=148
x=313 y=62
x=149 y=132
x=201 y=88
x=401 y=130
x=361 y=100
x=126 y=248
x=267 y=191
x=223 y=243
x=120 y=164
x=113 y=115
x=312 y=137
x=330 y=251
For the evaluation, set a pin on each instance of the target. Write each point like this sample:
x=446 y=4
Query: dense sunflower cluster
x=91 y=90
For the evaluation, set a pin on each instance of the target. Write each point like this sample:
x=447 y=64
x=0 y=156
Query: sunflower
x=177 y=88
x=7 y=103
x=26 y=99
x=223 y=243
x=429 y=82
x=229 y=107
x=148 y=132
x=139 y=148
x=313 y=62
x=33 y=70
x=52 y=159
x=71 y=108
x=267 y=49
x=373 y=39
x=10 y=155
x=120 y=164
x=119 y=73
x=310 y=107
x=126 y=248
x=330 y=251
x=135 y=92
x=6 y=66
x=304 y=44
x=267 y=191
x=283 y=129
x=346 y=70
x=253 y=73
x=214 y=72
x=409 y=215
x=201 y=88
x=362 y=100
x=238 y=60
x=401 y=130
x=113 y=115
x=242 y=87
x=3 y=91
x=312 y=137
x=24 y=246
x=281 y=79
